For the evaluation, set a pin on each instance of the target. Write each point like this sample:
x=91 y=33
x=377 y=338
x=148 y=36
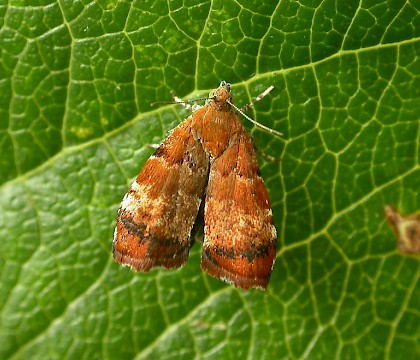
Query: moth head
x=221 y=98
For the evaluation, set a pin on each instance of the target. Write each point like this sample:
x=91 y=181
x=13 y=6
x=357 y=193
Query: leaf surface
x=76 y=83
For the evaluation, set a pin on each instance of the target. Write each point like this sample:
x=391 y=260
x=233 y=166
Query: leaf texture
x=76 y=83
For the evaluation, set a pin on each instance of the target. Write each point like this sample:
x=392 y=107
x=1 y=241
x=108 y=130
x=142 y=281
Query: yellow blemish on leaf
x=82 y=132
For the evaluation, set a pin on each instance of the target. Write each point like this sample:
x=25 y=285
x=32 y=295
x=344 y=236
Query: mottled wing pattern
x=158 y=212
x=240 y=238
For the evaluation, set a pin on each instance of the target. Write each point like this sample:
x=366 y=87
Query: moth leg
x=258 y=98
x=185 y=104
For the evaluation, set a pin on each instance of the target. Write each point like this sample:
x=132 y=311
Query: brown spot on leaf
x=406 y=229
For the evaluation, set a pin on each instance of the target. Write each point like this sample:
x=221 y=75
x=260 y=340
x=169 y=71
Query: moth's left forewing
x=240 y=238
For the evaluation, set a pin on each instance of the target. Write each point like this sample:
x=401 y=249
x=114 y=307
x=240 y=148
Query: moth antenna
x=275 y=132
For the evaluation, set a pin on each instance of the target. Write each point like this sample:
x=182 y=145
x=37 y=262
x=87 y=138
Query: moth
x=207 y=161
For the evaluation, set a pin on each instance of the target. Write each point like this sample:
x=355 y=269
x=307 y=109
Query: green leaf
x=76 y=83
